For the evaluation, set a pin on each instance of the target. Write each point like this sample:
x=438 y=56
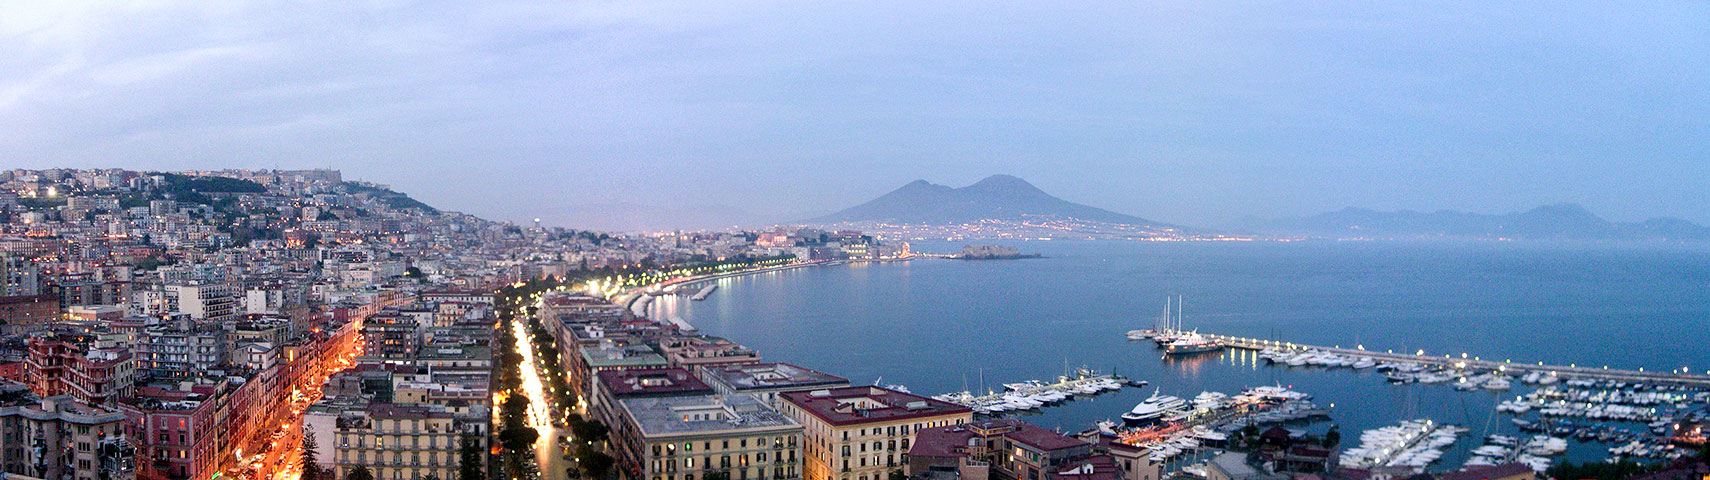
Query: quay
x=1475 y=364
x=628 y=299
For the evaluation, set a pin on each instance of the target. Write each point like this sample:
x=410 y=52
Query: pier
x=1501 y=367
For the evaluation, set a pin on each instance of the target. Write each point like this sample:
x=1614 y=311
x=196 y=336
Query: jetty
x=702 y=295
x=1505 y=367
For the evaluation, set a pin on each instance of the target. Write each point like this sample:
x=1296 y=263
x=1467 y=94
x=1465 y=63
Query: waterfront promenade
x=1476 y=364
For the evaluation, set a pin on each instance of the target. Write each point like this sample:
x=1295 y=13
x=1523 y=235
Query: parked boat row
x=1034 y=394
x=1315 y=358
x=1413 y=444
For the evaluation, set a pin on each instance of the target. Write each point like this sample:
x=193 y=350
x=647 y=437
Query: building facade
x=397 y=442
x=64 y=439
x=863 y=433
x=686 y=437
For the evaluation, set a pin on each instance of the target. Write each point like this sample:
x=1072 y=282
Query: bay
x=940 y=326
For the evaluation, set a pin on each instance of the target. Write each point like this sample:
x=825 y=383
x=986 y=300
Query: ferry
x=1154 y=409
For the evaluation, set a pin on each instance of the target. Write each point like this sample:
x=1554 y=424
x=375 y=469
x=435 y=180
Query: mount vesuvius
x=998 y=197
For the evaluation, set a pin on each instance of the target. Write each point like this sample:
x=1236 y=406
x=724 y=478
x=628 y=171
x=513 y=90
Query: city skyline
x=1195 y=115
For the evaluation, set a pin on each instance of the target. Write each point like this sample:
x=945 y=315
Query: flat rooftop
x=663 y=381
x=772 y=376
x=703 y=414
x=857 y=405
x=625 y=356
x=457 y=352
x=944 y=441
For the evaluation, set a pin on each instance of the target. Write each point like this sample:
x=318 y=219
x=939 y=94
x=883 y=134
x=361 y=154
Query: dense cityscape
x=289 y=325
x=764 y=240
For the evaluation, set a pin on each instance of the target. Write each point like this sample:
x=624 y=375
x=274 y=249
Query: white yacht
x=1153 y=409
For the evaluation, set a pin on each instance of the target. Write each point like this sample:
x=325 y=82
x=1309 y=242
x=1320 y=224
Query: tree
x=1598 y=470
x=518 y=438
x=591 y=432
x=469 y=459
x=898 y=475
x=1332 y=437
x=599 y=465
x=514 y=408
x=311 y=468
x=360 y=473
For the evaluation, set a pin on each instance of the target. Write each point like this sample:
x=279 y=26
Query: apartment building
x=687 y=437
x=92 y=367
x=397 y=442
x=863 y=433
x=766 y=380
x=32 y=433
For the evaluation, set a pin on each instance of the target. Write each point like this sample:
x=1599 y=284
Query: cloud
x=1190 y=112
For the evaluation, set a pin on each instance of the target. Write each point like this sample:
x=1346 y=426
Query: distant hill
x=1564 y=221
x=390 y=198
x=998 y=197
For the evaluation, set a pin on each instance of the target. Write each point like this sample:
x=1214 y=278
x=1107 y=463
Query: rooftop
x=856 y=405
x=1492 y=471
x=771 y=376
x=625 y=356
x=666 y=381
x=944 y=441
x=699 y=414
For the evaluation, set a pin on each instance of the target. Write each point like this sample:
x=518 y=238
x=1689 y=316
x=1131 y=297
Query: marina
x=1034 y=394
x=1169 y=426
x=1598 y=406
x=1413 y=445
x=1294 y=354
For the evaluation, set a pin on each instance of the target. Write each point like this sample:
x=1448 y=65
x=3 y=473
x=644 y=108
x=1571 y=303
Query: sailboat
x=1189 y=342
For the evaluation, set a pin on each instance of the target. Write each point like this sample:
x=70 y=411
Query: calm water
x=943 y=325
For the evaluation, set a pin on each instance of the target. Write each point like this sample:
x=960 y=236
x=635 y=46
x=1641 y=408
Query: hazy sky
x=1195 y=112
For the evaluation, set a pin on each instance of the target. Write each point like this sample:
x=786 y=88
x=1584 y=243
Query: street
x=549 y=456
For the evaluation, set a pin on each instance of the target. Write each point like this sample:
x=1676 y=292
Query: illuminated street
x=548 y=456
x=281 y=461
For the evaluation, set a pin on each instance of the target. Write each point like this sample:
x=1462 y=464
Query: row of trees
x=588 y=436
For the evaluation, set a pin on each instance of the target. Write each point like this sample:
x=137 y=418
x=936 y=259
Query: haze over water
x=937 y=325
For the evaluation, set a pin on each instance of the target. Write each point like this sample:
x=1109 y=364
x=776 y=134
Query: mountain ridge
x=1558 y=221
x=996 y=197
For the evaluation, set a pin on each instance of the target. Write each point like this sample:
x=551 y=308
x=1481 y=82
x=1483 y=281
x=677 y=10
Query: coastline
x=627 y=299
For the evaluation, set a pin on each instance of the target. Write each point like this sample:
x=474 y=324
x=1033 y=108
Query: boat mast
x=1179 y=324
x=1164 y=320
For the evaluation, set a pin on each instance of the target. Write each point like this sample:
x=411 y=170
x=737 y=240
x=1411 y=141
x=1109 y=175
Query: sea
x=941 y=325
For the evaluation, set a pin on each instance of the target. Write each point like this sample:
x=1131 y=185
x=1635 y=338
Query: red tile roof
x=664 y=381
x=1484 y=473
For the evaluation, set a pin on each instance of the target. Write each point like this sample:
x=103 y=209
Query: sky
x=593 y=114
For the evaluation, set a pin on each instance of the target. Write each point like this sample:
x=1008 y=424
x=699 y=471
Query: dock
x=1475 y=364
